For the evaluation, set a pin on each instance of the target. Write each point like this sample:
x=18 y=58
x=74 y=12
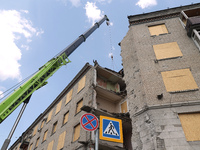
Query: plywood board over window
x=30 y=148
x=45 y=135
x=69 y=96
x=49 y=116
x=124 y=107
x=37 y=142
x=167 y=50
x=58 y=107
x=179 y=80
x=158 y=29
x=190 y=123
x=81 y=84
x=79 y=105
x=65 y=118
x=61 y=140
x=35 y=130
x=76 y=132
x=50 y=145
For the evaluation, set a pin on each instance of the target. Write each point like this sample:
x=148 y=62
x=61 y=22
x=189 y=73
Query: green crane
x=24 y=92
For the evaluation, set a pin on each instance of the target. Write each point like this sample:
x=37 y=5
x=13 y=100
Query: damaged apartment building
x=156 y=94
x=94 y=89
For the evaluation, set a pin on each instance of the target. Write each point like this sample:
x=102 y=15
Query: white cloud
x=93 y=12
x=103 y=1
x=146 y=3
x=75 y=3
x=12 y=27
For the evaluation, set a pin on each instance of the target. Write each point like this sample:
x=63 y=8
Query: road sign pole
x=97 y=139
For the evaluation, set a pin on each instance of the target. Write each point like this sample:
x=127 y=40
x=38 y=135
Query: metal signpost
x=90 y=122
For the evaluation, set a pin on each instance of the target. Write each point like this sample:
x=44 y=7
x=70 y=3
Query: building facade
x=94 y=89
x=156 y=95
x=161 y=62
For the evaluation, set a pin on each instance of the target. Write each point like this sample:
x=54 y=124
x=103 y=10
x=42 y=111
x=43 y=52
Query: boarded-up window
x=49 y=116
x=65 y=118
x=35 y=130
x=124 y=107
x=81 y=84
x=179 y=80
x=76 y=132
x=30 y=147
x=42 y=124
x=69 y=96
x=167 y=50
x=58 y=107
x=158 y=29
x=54 y=127
x=79 y=105
x=45 y=135
x=190 y=124
x=61 y=140
x=37 y=142
x=50 y=145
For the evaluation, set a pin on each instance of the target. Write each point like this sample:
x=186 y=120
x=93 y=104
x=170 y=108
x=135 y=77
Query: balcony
x=190 y=20
x=110 y=90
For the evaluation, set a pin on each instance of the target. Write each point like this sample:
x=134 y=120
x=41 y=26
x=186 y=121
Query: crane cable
x=111 y=49
x=10 y=90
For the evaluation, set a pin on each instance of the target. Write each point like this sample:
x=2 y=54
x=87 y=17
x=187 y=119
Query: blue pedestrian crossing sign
x=110 y=129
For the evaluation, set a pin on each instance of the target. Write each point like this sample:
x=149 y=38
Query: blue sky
x=32 y=32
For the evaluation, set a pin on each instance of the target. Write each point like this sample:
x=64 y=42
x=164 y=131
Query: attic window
x=167 y=50
x=179 y=80
x=158 y=29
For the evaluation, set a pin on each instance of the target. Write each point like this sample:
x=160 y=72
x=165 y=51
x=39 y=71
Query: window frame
x=188 y=122
x=67 y=113
x=37 y=142
x=75 y=131
x=54 y=128
x=154 y=25
x=81 y=84
x=174 y=76
x=77 y=106
x=45 y=136
x=170 y=50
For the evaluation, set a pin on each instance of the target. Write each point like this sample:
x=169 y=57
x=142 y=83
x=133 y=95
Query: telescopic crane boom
x=24 y=92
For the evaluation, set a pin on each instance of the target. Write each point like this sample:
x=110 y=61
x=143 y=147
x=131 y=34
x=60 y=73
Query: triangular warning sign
x=110 y=129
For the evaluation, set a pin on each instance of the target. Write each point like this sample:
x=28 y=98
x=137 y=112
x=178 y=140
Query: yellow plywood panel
x=58 y=107
x=179 y=80
x=42 y=124
x=61 y=140
x=124 y=107
x=35 y=130
x=81 y=84
x=49 y=116
x=30 y=148
x=76 y=132
x=45 y=135
x=65 y=119
x=54 y=127
x=50 y=145
x=69 y=96
x=190 y=124
x=79 y=105
x=37 y=142
x=158 y=29
x=167 y=50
